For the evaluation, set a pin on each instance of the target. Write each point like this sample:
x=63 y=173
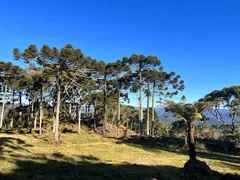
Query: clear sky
x=198 y=39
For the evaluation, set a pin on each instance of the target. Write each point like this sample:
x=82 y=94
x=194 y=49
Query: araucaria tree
x=107 y=76
x=163 y=84
x=64 y=66
x=138 y=63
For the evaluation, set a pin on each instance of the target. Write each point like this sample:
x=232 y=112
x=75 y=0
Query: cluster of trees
x=228 y=98
x=58 y=82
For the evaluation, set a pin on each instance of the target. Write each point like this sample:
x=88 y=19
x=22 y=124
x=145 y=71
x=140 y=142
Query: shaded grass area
x=90 y=156
x=223 y=153
x=55 y=169
x=177 y=144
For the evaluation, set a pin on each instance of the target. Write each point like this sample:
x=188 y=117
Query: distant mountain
x=168 y=117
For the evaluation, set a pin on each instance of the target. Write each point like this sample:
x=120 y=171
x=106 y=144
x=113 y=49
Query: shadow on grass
x=11 y=144
x=8 y=131
x=88 y=169
x=59 y=166
x=232 y=166
x=67 y=130
x=52 y=169
x=172 y=144
x=154 y=143
x=219 y=146
x=221 y=157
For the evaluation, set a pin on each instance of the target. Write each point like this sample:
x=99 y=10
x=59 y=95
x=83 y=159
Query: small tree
x=190 y=113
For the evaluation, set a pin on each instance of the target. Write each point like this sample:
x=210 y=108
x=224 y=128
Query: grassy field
x=90 y=156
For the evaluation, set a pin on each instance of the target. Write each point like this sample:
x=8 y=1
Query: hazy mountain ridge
x=168 y=117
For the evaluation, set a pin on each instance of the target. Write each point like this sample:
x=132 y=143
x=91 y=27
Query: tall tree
x=36 y=88
x=106 y=73
x=121 y=82
x=138 y=64
x=163 y=84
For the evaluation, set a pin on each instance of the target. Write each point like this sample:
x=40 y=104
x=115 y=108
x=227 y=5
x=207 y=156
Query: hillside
x=91 y=156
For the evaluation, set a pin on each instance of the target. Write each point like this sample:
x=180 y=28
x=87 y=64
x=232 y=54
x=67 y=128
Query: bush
x=208 y=132
x=162 y=129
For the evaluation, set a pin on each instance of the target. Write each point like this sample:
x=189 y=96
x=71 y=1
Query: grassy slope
x=90 y=156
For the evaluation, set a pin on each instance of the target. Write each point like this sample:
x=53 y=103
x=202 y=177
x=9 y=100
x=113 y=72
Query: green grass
x=91 y=156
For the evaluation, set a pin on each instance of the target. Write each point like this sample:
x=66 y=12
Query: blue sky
x=200 y=39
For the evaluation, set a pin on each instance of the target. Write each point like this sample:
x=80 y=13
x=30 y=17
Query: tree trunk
x=89 y=112
x=119 y=112
x=148 y=111
x=56 y=135
x=86 y=109
x=3 y=106
x=233 y=126
x=140 y=104
x=40 y=112
x=32 y=108
x=139 y=115
x=185 y=140
x=191 y=143
x=105 y=105
x=11 y=123
x=79 y=119
x=95 y=114
x=70 y=108
x=20 y=105
x=20 y=98
x=35 y=120
x=153 y=110
x=117 y=130
x=54 y=119
x=112 y=116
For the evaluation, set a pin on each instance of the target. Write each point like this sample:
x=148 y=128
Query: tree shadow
x=221 y=157
x=8 y=131
x=90 y=168
x=11 y=144
x=233 y=166
x=219 y=146
x=68 y=130
x=59 y=166
x=173 y=144
x=155 y=143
